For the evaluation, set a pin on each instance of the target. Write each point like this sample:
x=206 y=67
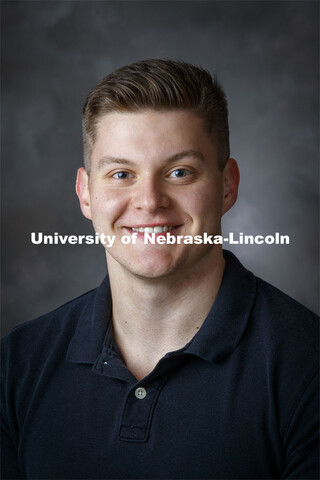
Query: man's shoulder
x=60 y=322
x=272 y=302
x=284 y=339
x=278 y=330
x=268 y=306
x=284 y=325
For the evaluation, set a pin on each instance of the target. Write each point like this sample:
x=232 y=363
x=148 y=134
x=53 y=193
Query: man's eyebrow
x=106 y=160
x=187 y=153
x=110 y=160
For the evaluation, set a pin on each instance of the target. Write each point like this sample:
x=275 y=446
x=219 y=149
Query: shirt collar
x=229 y=315
x=93 y=327
x=217 y=338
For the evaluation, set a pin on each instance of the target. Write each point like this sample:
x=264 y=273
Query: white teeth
x=157 y=229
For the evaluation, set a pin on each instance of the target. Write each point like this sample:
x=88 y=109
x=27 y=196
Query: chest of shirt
x=189 y=419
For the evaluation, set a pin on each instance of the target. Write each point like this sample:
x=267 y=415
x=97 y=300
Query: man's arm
x=9 y=460
x=301 y=439
x=8 y=446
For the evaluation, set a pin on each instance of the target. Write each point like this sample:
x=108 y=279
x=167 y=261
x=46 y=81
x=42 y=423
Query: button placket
x=138 y=412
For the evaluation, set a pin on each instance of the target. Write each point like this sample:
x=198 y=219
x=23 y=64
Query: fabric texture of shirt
x=239 y=401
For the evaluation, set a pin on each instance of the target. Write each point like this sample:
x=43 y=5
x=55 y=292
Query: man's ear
x=231 y=179
x=82 y=189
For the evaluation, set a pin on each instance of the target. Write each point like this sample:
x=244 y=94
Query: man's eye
x=180 y=173
x=122 y=175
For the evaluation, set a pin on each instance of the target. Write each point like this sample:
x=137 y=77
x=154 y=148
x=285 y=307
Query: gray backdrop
x=54 y=52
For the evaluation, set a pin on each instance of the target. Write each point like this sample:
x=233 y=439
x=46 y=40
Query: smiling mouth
x=155 y=229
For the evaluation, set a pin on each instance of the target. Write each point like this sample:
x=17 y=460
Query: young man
x=182 y=364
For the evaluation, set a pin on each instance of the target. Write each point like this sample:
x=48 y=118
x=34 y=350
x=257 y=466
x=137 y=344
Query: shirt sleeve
x=9 y=460
x=301 y=441
x=8 y=445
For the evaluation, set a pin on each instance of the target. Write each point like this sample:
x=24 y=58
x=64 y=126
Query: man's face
x=159 y=171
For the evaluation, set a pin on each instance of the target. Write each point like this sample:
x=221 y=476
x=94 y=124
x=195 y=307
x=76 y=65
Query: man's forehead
x=171 y=132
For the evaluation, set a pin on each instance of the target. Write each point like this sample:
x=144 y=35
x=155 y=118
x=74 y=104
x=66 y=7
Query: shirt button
x=140 y=392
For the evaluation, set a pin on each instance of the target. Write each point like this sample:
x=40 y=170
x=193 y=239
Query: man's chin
x=151 y=272
x=146 y=268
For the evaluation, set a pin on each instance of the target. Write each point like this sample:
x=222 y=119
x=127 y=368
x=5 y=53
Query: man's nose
x=150 y=194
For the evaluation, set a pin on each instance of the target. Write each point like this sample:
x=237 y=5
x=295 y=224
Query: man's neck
x=154 y=316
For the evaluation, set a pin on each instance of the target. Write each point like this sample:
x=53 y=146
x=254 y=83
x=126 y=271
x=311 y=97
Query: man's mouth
x=155 y=229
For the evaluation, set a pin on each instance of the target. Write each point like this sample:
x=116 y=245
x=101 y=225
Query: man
x=182 y=364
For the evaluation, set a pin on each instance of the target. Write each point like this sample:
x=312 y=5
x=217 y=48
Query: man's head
x=159 y=85
x=156 y=143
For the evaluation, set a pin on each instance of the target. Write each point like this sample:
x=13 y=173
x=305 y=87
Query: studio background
x=55 y=52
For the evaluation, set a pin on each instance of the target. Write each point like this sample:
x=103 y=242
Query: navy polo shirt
x=237 y=402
